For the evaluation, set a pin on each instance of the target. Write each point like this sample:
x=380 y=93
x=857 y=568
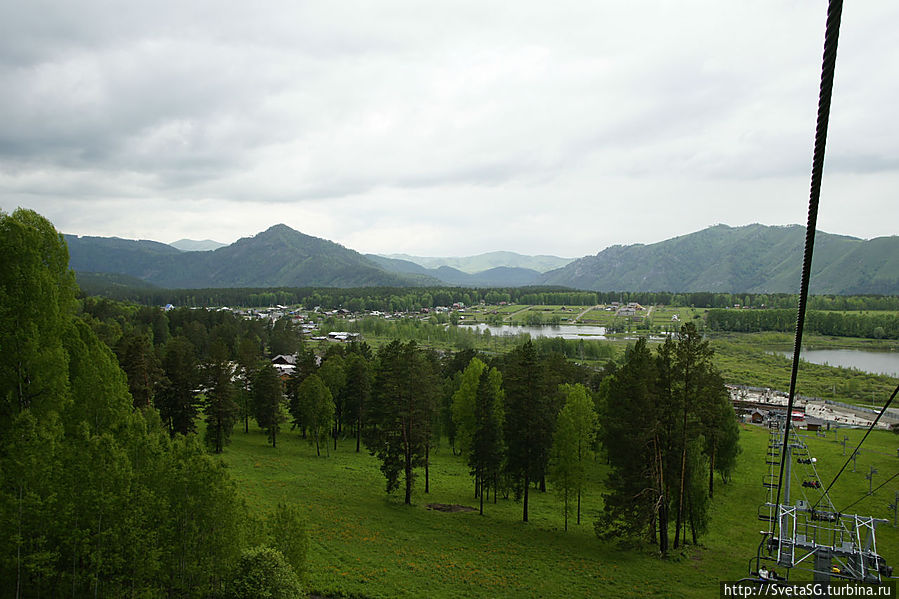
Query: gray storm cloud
x=532 y=127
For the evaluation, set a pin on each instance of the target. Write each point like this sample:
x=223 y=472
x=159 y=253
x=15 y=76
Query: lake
x=884 y=362
x=567 y=331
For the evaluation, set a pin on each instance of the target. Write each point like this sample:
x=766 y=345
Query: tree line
x=391 y=299
x=871 y=325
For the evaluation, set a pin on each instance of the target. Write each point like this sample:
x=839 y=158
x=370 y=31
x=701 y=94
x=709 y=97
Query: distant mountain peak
x=193 y=245
x=280 y=228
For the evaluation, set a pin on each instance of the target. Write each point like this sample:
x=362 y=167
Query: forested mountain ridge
x=279 y=256
x=751 y=259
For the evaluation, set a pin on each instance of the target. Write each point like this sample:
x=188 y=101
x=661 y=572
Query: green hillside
x=277 y=257
x=751 y=259
x=364 y=543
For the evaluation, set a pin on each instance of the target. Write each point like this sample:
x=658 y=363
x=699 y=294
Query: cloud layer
x=448 y=129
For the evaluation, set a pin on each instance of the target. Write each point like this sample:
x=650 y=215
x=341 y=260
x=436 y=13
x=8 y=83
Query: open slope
x=364 y=543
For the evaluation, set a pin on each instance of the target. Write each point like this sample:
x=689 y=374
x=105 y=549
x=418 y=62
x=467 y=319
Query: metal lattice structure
x=802 y=536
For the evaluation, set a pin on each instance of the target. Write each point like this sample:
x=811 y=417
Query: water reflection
x=565 y=331
x=884 y=362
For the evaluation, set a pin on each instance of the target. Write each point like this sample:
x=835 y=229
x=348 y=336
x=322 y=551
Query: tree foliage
x=666 y=422
x=485 y=457
x=572 y=447
x=264 y=573
x=95 y=497
x=400 y=412
x=530 y=419
x=269 y=409
x=314 y=407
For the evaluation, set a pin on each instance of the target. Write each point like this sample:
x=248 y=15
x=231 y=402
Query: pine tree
x=177 y=400
x=530 y=417
x=221 y=411
x=268 y=402
x=400 y=412
x=629 y=429
x=358 y=391
x=486 y=454
x=139 y=361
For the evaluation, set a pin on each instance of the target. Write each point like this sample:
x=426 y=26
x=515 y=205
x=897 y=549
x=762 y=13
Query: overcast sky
x=444 y=128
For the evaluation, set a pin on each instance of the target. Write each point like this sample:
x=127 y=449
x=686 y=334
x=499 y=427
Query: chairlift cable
x=857 y=447
x=883 y=484
x=825 y=92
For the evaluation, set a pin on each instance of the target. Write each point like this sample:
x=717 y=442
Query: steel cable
x=857 y=447
x=825 y=92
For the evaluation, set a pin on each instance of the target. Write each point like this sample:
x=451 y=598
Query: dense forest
x=835 y=324
x=390 y=299
x=108 y=487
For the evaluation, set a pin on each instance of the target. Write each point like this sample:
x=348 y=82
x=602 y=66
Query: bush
x=263 y=573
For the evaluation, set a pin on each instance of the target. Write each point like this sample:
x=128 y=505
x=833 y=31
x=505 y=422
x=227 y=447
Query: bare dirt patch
x=444 y=507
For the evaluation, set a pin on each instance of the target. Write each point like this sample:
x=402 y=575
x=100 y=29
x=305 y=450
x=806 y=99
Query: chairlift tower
x=827 y=543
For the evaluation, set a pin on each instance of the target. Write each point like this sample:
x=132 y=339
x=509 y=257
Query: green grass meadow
x=365 y=543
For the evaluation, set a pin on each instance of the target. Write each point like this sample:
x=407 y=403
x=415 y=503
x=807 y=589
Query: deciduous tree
x=572 y=447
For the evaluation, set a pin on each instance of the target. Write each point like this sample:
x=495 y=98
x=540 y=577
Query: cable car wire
x=857 y=447
x=825 y=92
x=883 y=484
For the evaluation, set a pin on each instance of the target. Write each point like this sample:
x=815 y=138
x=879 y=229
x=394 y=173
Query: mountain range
x=481 y=262
x=192 y=245
x=751 y=259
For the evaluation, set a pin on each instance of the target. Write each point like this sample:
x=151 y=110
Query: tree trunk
x=21 y=499
x=358 y=433
x=663 y=525
x=683 y=472
x=482 y=495
x=408 y=471
x=427 y=467
x=692 y=524
x=527 y=483
x=663 y=504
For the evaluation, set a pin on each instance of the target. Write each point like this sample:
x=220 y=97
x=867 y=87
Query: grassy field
x=364 y=543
